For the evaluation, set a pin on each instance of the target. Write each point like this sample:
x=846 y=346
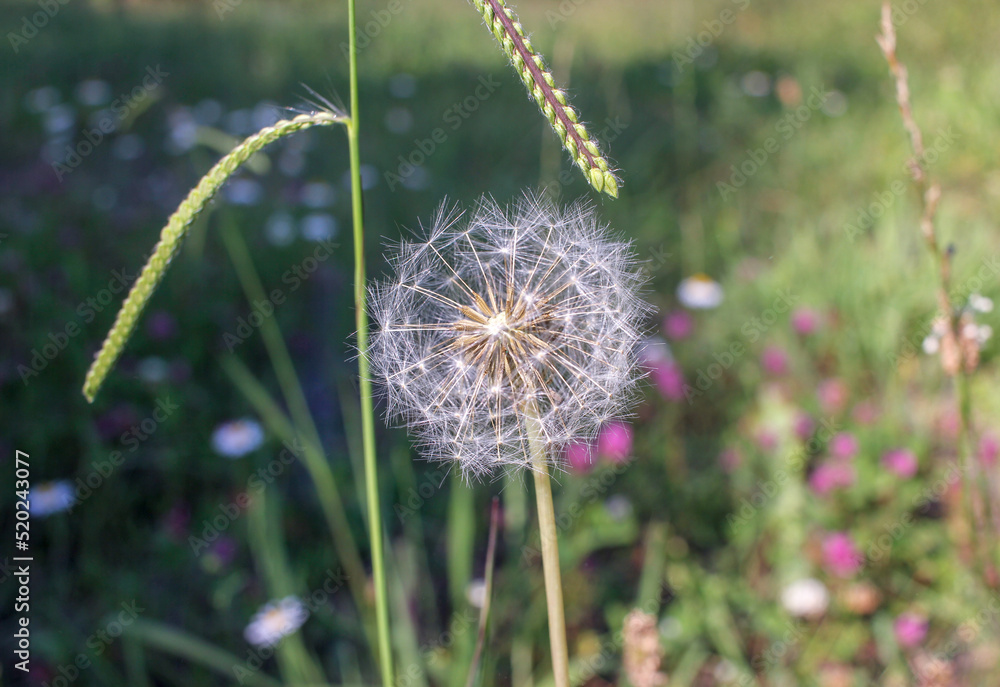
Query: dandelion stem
x=367 y=410
x=550 y=553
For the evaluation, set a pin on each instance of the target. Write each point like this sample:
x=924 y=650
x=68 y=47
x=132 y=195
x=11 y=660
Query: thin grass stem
x=364 y=378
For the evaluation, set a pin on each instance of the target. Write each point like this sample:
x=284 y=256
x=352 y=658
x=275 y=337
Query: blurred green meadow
x=789 y=504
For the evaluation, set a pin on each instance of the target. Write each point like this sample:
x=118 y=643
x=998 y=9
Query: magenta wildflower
x=805 y=321
x=580 y=457
x=615 y=442
x=831 y=475
x=901 y=461
x=843 y=446
x=910 y=629
x=678 y=324
x=841 y=554
x=774 y=361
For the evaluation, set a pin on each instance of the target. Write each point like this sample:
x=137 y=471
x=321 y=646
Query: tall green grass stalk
x=364 y=379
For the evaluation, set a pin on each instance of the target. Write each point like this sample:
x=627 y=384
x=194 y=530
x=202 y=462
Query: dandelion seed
x=276 y=620
x=499 y=319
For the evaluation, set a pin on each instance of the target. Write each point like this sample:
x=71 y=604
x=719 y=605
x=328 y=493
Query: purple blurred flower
x=668 y=379
x=832 y=395
x=774 y=361
x=767 y=440
x=678 y=324
x=829 y=476
x=901 y=461
x=910 y=629
x=220 y=554
x=989 y=449
x=176 y=521
x=161 y=325
x=841 y=555
x=865 y=413
x=730 y=459
x=615 y=442
x=116 y=421
x=843 y=446
x=580 y=457
x=804 y=425
x=805 y=321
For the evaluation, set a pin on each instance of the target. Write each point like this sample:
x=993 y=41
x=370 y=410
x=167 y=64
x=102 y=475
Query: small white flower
x=476 y=593
x=932 y=344
x=699 y=292
x=805 y=598
x=276 y=620
x=980 y=303
x=237 y=438
x=50 y=497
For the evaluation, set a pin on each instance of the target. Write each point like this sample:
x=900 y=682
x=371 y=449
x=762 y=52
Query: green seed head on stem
x=173 y=235
x=551 y=100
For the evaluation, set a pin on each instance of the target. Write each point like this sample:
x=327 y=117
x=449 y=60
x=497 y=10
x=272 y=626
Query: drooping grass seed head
x=500 y=319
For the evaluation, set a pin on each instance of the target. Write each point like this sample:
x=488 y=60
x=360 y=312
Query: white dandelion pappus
x=276 y=620
x=499 y=321
x=237 y=438
x=51 y=497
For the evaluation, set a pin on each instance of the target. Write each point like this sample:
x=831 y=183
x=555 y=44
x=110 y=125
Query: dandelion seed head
x=499 y=316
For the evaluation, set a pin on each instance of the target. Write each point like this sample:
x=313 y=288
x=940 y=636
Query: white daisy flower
x=237 y=438
x=980 y=303
x=51 y=497
x=276 y=620
x=805 y=598
x=699 y=292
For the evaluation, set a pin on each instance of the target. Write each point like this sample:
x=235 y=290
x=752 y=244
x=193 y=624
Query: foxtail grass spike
x=552 y=101
x=173 y=235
